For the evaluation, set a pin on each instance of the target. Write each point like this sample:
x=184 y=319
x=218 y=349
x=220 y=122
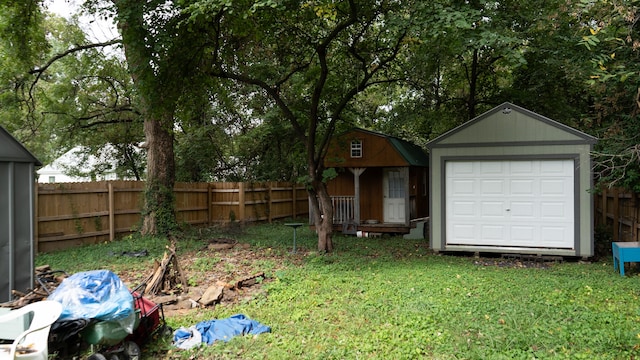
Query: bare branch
x=41 y=70
x=76 y=49
x=616 y=165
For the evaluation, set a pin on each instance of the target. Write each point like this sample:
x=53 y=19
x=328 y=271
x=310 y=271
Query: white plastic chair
x=31 y=344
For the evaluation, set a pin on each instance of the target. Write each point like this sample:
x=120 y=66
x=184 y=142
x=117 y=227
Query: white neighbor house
x=56 y=172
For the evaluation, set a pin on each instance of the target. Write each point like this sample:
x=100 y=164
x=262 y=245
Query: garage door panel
x=491 y=167
x=522 y=187
x=493 y=233
x=463 y=209
x=462 y=169
x=492 y=209
x=463 y=187
x=464 y=232
x=523 y=168
x=492 y=186
x=510 y=203
x=555 y=211
x=551 y=168
x=523 y=210
x=553 y=236
x=553 y=187
x=521 y=235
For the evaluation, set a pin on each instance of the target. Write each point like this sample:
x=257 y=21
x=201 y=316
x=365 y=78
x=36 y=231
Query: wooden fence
x=618 y=211
x=73 y=214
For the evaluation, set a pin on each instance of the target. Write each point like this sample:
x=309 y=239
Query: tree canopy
x=255 y=89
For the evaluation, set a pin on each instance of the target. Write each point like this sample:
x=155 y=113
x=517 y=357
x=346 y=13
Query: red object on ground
x=150 y=319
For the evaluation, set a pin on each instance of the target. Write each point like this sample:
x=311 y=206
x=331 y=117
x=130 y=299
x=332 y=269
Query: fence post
x=616 y=215
x=112 y=220
x=605 y=198
x=209 y=199
x=634 y=217
x=294 y=205
x=241 y=201
x=270 y=202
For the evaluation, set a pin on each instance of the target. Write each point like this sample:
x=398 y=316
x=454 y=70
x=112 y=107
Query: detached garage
x=512 y=181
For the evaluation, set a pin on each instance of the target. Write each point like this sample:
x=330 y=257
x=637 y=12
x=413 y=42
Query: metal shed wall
x=17 y=246
x=508 y=133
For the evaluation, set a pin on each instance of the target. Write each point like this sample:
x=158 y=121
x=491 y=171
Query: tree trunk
x=158 y=109
x=159 y=215
x=323 y=220
x=473 y=82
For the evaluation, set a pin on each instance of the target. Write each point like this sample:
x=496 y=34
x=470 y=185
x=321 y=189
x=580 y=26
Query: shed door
x=510 y=203
x=394 y=195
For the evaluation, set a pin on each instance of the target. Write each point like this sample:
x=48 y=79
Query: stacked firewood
x=167 y=276
x=47 y=280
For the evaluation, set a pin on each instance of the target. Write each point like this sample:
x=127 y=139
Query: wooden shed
x=512 y=181
x=17 y=189
x=381 y=183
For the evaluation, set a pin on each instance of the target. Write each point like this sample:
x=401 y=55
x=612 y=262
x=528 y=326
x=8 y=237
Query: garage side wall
x=583 y=209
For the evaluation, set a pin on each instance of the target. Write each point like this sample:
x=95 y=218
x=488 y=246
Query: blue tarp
x=210 y=331
x=97 y=294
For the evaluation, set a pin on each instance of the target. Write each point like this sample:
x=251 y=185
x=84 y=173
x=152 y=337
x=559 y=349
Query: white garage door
x=510 y=203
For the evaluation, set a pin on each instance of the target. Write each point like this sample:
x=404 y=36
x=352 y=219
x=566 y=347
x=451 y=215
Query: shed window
x=396 y=185
x=52 y=179
x=356 y=148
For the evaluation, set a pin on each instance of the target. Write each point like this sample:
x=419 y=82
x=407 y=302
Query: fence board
x=618 y=211
x=74 y=214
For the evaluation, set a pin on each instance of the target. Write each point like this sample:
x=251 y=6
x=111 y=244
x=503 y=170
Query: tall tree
x=65 y=92
x=158 y=56
x=552 y=80
x=163 y=59
x=311 y=59
x=88 y=95
x=463 y=57
x=20 y=48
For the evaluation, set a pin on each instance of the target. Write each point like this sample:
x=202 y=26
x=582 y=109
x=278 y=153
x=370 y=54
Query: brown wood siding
x=342 y=185
x=376 y=151
x=371 y=195
x=370 y=191
x=419 y=192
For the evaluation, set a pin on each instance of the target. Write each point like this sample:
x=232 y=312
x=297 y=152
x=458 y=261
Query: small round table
x=295 y=227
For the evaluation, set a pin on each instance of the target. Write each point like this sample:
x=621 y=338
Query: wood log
x=249 y=280
x=167 y=275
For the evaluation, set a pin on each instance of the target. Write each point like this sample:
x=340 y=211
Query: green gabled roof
x=412 y=153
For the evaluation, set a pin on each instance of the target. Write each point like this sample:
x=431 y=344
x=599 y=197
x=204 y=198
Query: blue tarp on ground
x=210 y=331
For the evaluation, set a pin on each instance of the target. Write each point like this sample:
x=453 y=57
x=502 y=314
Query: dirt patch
x=507 y=263
x=519 y=261
x=223 y=270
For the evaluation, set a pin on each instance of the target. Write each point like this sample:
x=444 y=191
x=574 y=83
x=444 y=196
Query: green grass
x=390 y=298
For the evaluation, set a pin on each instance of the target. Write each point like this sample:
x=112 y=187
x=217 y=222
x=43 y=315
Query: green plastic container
x=110 y=332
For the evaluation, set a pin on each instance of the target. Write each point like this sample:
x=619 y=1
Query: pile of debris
x=47 y=281
x=211 y=296
x=167 y=276
x=166 y=284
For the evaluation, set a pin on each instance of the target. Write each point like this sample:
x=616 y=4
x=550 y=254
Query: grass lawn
x=390 y=298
